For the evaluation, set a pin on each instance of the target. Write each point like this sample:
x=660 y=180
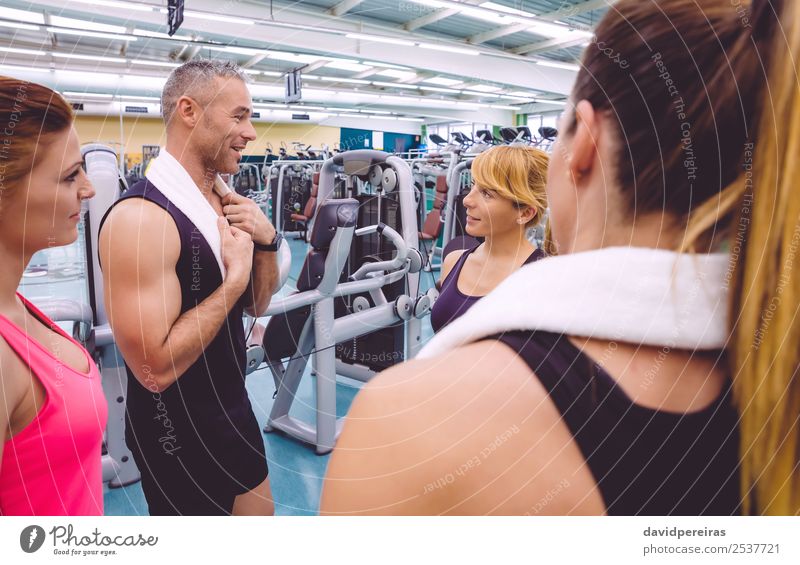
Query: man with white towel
x=183 y=257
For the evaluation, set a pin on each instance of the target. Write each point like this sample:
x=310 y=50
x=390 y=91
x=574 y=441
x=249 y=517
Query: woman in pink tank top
x=52 y=408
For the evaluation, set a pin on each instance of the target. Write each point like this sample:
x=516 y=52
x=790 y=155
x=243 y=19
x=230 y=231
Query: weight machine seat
x=433 y=221
x=441 y=192
x=311 y=205
x=283 y=330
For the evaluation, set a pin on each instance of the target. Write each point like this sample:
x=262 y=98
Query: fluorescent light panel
x=293 y=57
x=379 y=39
x=84 y=24
x=483 y=88
x=14 y=25
x=88 y=94
x=402 y=75
x=559 y=65
x=347 y=80
x=239 y=50
x=17 y=68
x=90 y=57
x=123 y=5
x=23 y=51
x=23 y=15
x=84 y=33
x=442 y=81
x=213 y=17
x=347 y=66
x=154 y=63
x=449 y=49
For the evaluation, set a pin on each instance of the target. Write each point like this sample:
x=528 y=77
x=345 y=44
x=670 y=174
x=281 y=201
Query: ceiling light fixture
x=123 y=5
x=15 y=25
x=154 y=63
x=554 y=102
x=23 y=51
x=84 y=33
x=90 y=57
x=559 y=65
x=213 y=17
x=24 y=15
x=87 y=95
x=449 y=49
x=16 y=68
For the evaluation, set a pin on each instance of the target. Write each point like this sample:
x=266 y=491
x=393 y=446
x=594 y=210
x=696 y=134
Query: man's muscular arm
x=139 y=248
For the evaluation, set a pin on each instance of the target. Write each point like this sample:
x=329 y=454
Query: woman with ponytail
x=606 y=379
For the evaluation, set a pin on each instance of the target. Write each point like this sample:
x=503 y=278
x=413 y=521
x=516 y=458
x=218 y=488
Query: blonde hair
x=766 y=335
x=517 y=173
x=765 y=243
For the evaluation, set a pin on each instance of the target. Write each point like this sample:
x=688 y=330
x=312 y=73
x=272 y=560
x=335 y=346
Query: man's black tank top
x=202 y=428
x=644 y=461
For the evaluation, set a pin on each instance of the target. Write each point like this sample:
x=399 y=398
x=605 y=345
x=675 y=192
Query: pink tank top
x=52 y=467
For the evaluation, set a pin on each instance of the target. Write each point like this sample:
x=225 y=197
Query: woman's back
x=657 y=430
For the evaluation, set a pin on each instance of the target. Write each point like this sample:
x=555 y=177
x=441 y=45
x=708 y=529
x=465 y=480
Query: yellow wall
x=150 y=131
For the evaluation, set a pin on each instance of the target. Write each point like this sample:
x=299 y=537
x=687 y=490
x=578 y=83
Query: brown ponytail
x=681 y=89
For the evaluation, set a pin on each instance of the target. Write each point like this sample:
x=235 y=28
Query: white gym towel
x=169 y=176
x=630 y=294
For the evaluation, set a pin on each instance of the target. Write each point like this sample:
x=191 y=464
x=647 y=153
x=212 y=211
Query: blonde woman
x=507 y=197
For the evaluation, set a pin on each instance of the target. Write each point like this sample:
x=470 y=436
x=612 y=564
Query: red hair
x=29 y=112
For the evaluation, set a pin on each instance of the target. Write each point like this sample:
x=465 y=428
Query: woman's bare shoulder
x=455 y=434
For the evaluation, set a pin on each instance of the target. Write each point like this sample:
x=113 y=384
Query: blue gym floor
x=296 y=472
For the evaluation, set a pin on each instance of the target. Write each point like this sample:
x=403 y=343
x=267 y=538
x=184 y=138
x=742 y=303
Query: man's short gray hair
x=194 y=79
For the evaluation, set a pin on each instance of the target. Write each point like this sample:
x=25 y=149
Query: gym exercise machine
x=305 y=326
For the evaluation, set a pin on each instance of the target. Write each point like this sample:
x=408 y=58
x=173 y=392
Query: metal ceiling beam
x=255 y=59
x=549 y=45
x=542 y=46
x=437 y=15
x=343 y=7
x=308 y=30
x=367 y=73
x=498 y=32
x=576 y=9
x=310 y=68
x=428 y=19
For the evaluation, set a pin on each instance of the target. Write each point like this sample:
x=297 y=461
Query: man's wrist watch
x=276 y=243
